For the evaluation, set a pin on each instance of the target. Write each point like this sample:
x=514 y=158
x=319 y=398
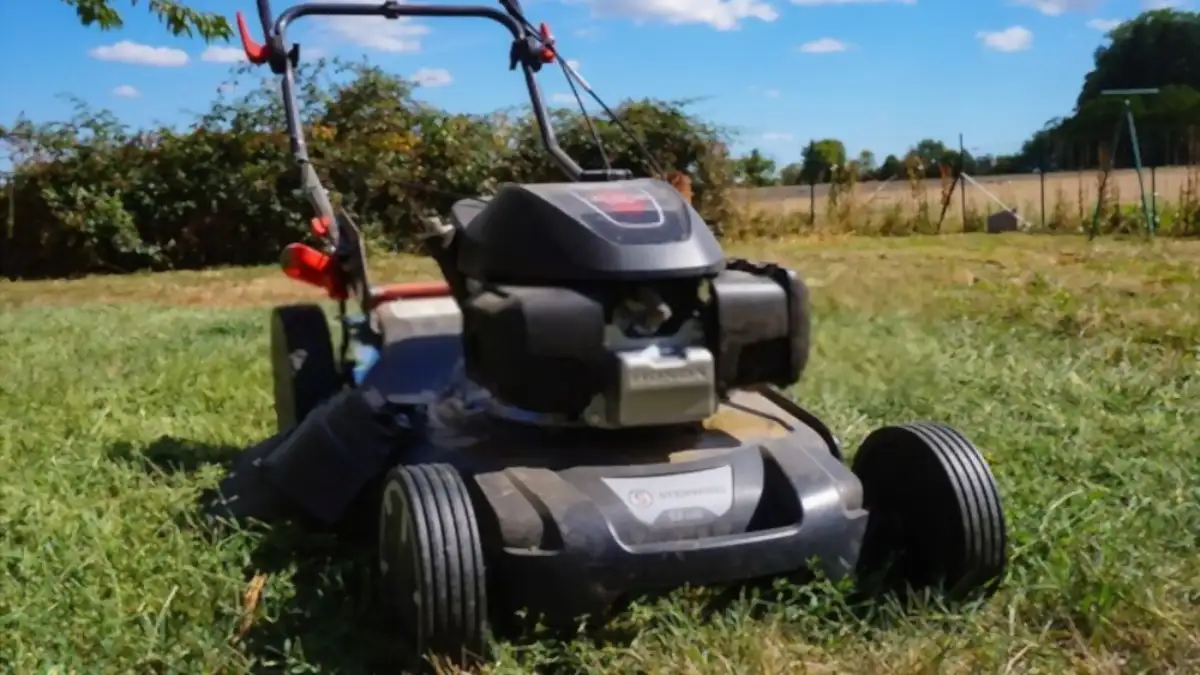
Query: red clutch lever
x=255 y=53
x=547 y=54
x=304 y=263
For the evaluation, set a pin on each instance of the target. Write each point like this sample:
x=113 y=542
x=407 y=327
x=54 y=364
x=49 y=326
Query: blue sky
x=879 y=74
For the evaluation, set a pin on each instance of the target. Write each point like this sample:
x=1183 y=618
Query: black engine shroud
x=554 y=262
x=622 y=231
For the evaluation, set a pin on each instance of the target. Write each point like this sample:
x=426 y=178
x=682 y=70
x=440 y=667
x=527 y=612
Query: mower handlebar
x=264 y=17
x=281 y=59
x=387 y=10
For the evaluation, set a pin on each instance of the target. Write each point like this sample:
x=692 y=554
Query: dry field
x=1076 y=191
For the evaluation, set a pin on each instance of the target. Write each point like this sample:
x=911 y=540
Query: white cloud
x=720 y=14
x=824 y=45
x=777 y=137
x=1103 y=25
x=818 y=3
x=772 y=93
x=1058 y=7
x=401 y=35
x=126 y=91
x=221 y=54
x=1012 y=39
x=432 y=77
x=1164 y=4
x=139 y=54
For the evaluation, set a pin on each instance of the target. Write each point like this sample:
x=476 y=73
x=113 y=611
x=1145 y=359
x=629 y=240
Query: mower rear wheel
x=302 y=362
x=935 y=519
x=431 y=565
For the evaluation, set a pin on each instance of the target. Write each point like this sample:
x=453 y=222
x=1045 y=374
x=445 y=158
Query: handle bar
x=264 y=17
x=281 y=60
x=528 y=50
x=388 y=10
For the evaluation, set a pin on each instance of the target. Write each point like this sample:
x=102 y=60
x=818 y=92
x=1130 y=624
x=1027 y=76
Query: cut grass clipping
x=1073 y=366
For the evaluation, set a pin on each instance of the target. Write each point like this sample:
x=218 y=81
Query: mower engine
x=585 y=329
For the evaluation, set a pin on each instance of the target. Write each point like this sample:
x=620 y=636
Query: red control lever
x=304 y=263
x=255 y=52
x=547 y=55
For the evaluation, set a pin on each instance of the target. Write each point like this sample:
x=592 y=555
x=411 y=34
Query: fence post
x=962 y=189
x=1156 y=159
x=10 y=221
x=812 y=202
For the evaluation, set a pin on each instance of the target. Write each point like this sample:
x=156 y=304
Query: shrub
x=90 y=195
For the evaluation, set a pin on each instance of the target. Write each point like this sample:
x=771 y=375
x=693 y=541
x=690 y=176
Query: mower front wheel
x=431 y=566
x=302 y=362
x=934 y=515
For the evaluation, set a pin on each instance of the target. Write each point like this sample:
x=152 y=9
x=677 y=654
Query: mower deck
x=573 y=520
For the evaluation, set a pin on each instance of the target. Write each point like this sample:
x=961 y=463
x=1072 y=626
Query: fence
x=1048 y=192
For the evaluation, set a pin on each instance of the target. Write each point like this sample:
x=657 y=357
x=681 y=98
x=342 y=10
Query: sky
x=878 y=74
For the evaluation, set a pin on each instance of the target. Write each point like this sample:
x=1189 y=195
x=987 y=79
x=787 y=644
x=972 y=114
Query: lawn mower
x=588 y=407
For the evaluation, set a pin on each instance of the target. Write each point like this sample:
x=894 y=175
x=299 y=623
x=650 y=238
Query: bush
x=90 y=195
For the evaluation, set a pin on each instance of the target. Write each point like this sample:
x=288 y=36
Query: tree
x=792 y=174
x=892 y=167
x=1158 y=49
x=931 y=154
x=1154 y=49
x=866 y=161
x=820 y=157
x=755 y=170
x=178 y=17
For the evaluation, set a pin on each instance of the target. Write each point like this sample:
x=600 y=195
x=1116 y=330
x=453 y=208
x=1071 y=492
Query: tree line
x=1158 y=49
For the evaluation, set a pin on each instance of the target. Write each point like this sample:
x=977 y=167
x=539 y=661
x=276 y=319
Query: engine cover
x=569 y=233
x=635 y=353
x=538 y=348
x=557 y=351
x=758 y=325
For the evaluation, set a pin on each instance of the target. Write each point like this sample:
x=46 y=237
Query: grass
x=1073 y=365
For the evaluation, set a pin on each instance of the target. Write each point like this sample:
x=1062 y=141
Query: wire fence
x=1084 y=186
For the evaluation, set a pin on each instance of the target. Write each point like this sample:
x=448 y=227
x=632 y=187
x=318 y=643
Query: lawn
x=1073 y=365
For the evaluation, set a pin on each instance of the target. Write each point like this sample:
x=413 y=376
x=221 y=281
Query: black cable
x=651 y=163
x=586 y=117
x=572 y=79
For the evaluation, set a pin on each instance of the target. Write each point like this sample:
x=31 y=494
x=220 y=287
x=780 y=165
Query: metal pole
x=11 y=226
x=1137 y=162
x=962 y=171
x=812 y=185
x=1042 y=178
x=1137 y=155
x=1154 y=192
x=1042 y=186
x=812 y=203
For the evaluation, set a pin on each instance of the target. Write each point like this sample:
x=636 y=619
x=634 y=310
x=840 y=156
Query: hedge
x=91 y=195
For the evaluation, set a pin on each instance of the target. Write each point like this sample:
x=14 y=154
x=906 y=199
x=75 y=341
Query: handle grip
x=255 y=53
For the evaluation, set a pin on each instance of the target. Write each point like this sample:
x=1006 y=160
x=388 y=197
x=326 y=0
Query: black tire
x=935 y=518
x=302 y=362
x=431 y=566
